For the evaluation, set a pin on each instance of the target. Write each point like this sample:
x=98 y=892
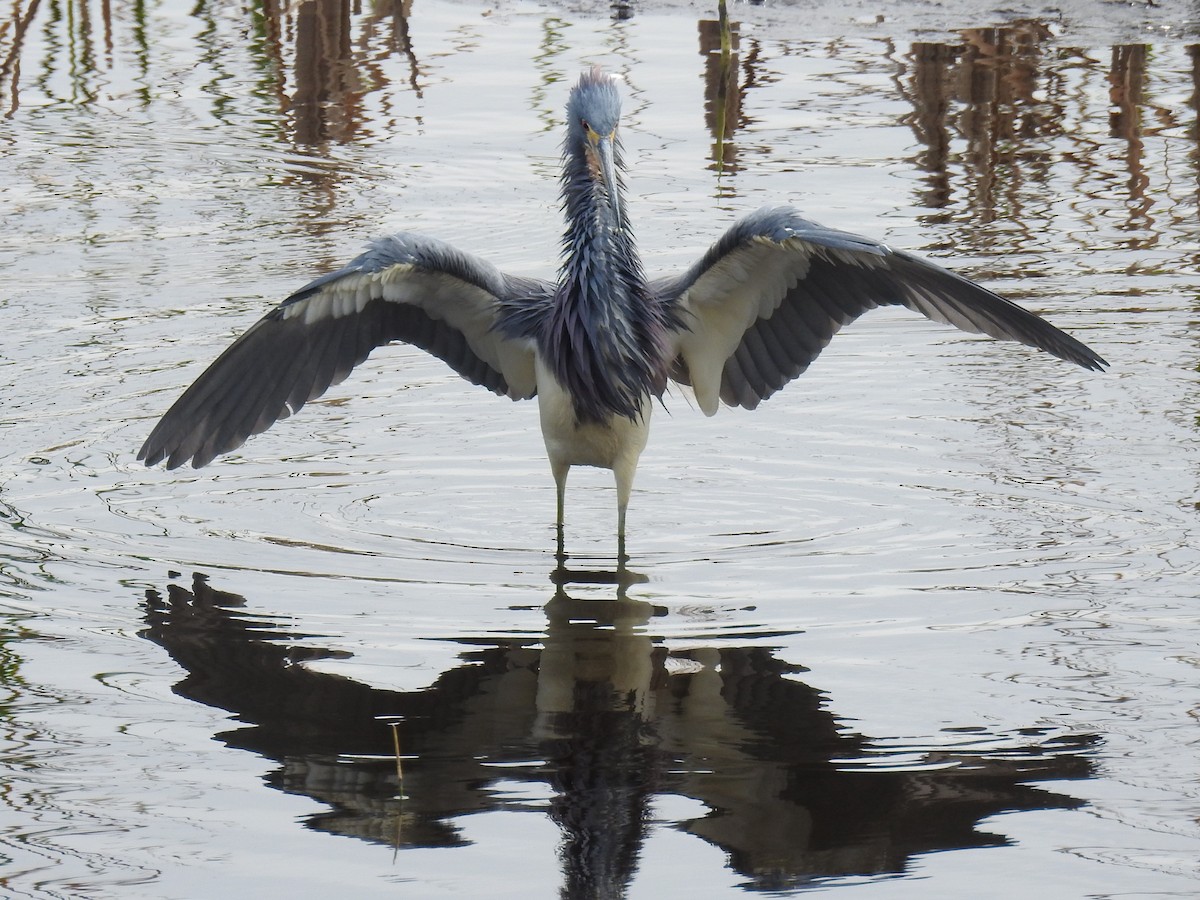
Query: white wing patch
x=460 y=304
x=347 y=296
x=743 y=286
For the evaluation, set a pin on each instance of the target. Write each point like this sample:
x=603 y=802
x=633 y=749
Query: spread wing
x=764 y=301
x=403 y=288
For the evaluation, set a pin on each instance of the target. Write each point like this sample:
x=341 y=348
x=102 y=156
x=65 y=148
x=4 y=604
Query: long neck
x=605 y=338
x=599 y=253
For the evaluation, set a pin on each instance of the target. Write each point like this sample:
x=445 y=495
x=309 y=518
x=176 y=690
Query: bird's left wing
x=767 y=298
x=403 y=288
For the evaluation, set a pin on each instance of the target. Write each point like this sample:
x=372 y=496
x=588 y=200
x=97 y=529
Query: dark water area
x=923 y=625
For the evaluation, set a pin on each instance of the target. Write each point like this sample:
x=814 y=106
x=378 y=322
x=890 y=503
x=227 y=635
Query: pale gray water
x=924 y=625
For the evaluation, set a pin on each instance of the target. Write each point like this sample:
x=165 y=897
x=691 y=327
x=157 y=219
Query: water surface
x=924 y=624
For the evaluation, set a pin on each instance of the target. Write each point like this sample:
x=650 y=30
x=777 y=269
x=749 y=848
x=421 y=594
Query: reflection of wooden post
x=322 y=100
x=1193 y=51
x=994 y=76
x=1127 y=91
x=1194 y=101
x=931 y=103
x=402 y=40
x=722 y=86
x=10 y=66
x=1127 y=82
x=722 y=99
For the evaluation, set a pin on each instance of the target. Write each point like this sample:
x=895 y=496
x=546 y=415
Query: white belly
x=615 y=444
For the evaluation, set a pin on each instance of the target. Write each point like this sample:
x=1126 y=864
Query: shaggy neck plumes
x=605 y=340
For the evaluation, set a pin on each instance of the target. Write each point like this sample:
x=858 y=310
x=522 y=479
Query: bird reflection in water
x=606 y=719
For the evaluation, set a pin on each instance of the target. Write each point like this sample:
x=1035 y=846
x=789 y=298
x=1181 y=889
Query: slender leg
x=560 y=484
x=621 y=557
x=623 y=472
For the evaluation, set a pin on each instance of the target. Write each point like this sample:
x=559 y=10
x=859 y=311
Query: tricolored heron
x=598 y=345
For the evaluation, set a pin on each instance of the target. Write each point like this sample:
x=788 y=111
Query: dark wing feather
x=404 y=288
x=768 y=297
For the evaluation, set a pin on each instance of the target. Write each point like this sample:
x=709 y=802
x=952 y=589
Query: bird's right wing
x=403 y=288
x=764 y=301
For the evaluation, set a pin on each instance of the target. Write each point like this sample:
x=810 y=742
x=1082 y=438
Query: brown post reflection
x=1127 y=81
x=1193 y=52
x=270 y=52
x=930 y=96
x=334 y=53
x=993 y=76
x=398 y=13
x=10 y=66
x=608 y=719
x=720 y=41
x=325 y=103
x=1019 y=110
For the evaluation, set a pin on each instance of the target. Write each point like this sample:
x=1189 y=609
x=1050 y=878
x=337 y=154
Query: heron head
x=593 y=112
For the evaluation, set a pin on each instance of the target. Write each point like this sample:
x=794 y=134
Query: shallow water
x=925 y=624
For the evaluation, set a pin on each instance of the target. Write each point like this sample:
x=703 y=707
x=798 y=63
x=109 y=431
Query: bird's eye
x=584 y=123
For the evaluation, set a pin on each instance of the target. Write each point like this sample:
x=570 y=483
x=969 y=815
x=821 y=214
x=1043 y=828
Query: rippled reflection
x=1023 y=103
x=1024 y=106
x=1017 y=133
x=594 y=721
